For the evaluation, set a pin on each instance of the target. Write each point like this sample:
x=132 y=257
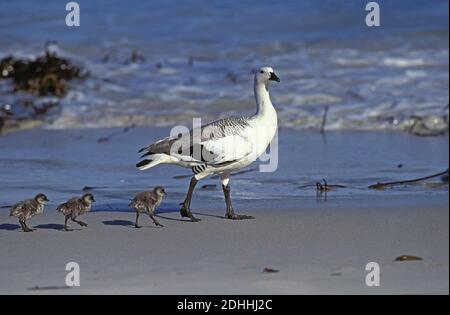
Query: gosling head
x=88 y=198
x=266 y=75
x=160 y=191
x=41 y=199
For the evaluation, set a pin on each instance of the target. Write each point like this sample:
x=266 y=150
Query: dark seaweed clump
x=45 y=76
x=4 y=115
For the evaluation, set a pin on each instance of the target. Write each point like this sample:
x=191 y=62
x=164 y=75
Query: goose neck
x=263 y=103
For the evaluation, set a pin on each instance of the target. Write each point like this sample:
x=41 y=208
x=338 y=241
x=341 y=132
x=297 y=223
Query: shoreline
x=318 y=245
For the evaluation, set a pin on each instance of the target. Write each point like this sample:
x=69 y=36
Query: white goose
x=221 y=147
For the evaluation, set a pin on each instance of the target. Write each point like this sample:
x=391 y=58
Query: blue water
x=199 y=56
x=186 y=25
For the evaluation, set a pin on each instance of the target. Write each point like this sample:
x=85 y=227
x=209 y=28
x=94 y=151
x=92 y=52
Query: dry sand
x=315 y=251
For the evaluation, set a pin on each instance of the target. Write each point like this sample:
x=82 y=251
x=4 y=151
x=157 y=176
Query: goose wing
x=218 y=143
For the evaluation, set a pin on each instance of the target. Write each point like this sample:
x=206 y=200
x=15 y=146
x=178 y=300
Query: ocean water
x=199 y=56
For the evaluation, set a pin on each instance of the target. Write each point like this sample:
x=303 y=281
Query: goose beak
x=273 y=77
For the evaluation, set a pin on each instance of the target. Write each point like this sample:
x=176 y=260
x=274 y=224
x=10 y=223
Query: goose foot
x=186 y=213
x=25 y=227
x=233 y=216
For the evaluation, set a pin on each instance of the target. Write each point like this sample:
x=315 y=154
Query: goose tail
x=154 y=160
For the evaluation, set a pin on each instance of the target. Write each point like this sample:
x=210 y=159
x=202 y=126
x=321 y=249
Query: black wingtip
x=146 y=154
x=143 y=163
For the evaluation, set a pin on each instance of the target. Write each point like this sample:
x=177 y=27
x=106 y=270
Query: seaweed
x=442 y=175
x=430 y=126
x=5 y=114
x=43 y=79
x=322 y=186
x=209 y=187
x=47 y=75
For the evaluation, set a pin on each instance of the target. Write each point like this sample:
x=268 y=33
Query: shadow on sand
x=125 y=223
x=118 y=223
x=51 y=226
x=9 y=227
x=209 y=215
x=159 y=215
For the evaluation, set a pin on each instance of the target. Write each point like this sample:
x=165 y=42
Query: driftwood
x=442 y=175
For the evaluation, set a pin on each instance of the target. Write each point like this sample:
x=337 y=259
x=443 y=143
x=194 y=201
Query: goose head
x=266 y=75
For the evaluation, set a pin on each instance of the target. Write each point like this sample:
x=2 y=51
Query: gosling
x=147 y=202
x=27 y=209
x=75 y=207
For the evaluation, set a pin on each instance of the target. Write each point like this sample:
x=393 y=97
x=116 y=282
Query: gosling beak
x=273 y=77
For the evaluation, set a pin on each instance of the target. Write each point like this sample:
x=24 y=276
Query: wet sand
x=318 y=244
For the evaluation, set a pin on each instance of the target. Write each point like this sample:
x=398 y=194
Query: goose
x=220 y=148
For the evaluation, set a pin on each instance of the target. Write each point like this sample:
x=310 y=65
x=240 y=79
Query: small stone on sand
x=408 y=258
x=270 y=270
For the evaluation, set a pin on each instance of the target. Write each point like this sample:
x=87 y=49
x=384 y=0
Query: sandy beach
x=315 y=252
x=355 y=176
x=318 y=245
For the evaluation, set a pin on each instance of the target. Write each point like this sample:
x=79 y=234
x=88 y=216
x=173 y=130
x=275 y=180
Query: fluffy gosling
x=147 y=202
x=75 y=207
x=27 y=209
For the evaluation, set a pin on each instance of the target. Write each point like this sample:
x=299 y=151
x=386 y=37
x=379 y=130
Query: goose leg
x=25 y=227
x=136 y=225
x=230 y=211
x=66 y=226
x=155 y=221
x=186 y=205
x=21 y=225
x=81 y=223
